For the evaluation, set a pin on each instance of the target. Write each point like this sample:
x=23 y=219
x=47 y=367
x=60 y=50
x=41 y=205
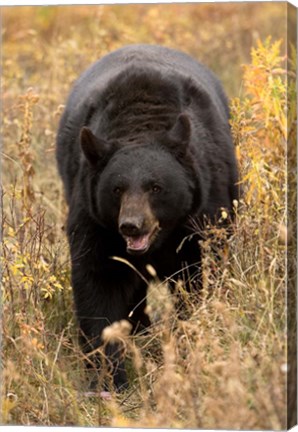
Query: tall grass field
x=231 y=364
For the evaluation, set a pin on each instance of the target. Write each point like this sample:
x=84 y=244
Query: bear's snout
x=137 y=224
x=131 y=226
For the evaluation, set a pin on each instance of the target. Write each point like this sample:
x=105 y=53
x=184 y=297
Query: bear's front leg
x=100 y=300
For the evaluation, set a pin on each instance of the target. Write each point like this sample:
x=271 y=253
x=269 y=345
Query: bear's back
x=168 y=62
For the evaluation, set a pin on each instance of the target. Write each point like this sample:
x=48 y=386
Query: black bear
x=143 y=147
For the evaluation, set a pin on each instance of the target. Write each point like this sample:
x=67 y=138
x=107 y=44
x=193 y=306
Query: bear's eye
x=156 y=189
x=117 y=191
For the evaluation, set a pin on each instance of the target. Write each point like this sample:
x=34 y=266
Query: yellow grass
x=226 y=366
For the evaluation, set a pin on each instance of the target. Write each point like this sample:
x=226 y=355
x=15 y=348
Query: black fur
x=145 y=124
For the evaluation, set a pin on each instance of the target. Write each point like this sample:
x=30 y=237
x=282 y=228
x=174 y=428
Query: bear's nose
x=131 y=226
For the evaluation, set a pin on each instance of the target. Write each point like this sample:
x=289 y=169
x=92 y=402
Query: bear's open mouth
x=140 y=244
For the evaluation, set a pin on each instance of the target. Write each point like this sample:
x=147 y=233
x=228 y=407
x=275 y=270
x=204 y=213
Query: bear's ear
x=93 y=148
x=179 y=135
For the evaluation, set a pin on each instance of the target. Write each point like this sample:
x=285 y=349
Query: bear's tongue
x=139 y=243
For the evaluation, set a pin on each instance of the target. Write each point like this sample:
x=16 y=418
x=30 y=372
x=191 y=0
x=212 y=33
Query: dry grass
x=224 y=367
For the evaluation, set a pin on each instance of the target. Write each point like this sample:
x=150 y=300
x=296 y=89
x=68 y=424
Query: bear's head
x=142 y=190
